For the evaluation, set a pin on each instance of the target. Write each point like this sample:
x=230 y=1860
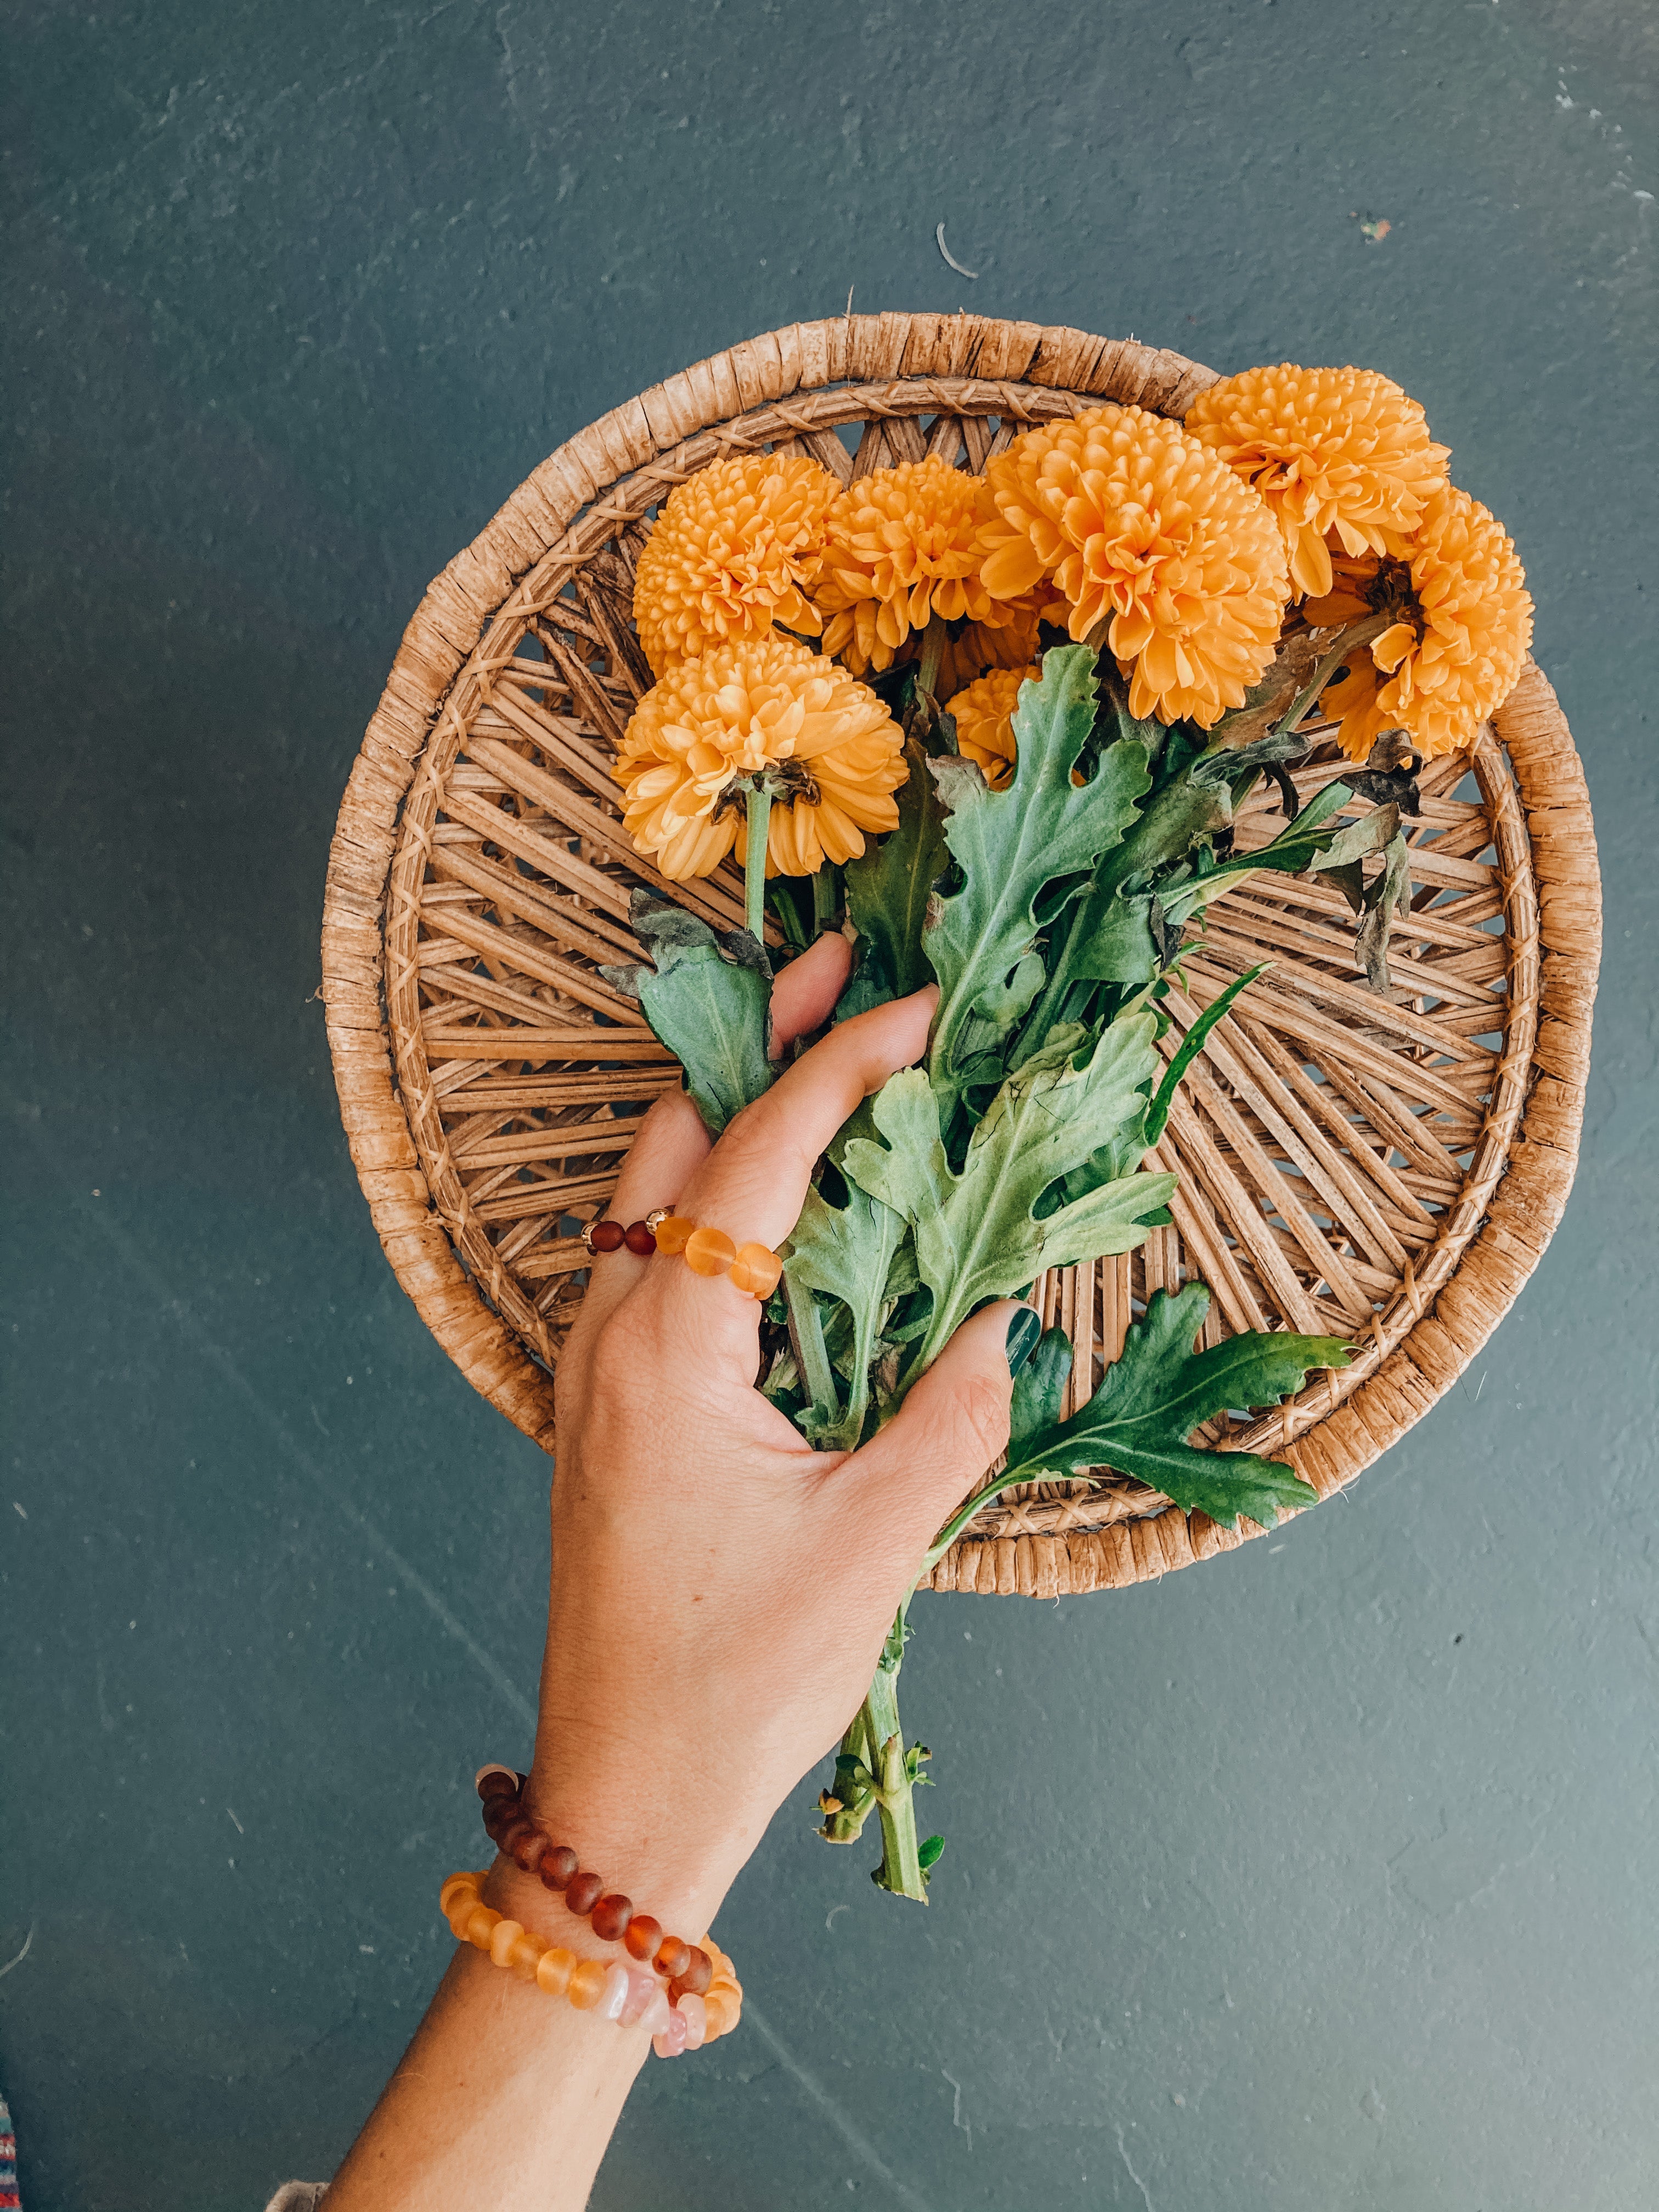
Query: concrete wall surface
x=1320 y=1876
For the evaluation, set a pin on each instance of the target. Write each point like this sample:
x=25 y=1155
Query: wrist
x=549 y=1877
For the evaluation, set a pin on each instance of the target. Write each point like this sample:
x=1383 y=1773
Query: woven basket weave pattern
x=1384 y=1170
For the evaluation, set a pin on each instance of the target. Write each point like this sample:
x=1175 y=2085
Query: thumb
x=939 y=1445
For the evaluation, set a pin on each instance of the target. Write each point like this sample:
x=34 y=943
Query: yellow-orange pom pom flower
x=902 y=545
x=732 y=547
x=1133 y=520
x=697 y=737
x=984 y=716
x=1462 y=624
x=1337 y=454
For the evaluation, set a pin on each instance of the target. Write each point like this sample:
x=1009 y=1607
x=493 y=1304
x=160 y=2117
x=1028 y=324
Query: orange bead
x=553 y=1973
x=721 y=2018
x=757 y=1270
x=525 y=1957
x=502 y=1936
x=481 y=1926
x=709 y=1251
x=586 y=1981
x=674 y=1233
x=457 y=1886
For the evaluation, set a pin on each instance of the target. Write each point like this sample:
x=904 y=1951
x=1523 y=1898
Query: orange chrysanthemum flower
x=1451 y=656
x=1135 y=522
x=732 y=547
x=984 y=716
x=902 y=545
x=699 y=735
x=1339 y=454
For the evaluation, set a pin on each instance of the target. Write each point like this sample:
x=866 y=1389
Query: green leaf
x=708 y=998
x=1157 y=1394
x=977 y=1235
x=887 y=893
x=1038 y=1388
x=928 y=1852
x=1311 y=840
x=847 y=1253
x=1010 y=845
x=1114 y=941
x=1192 y=1045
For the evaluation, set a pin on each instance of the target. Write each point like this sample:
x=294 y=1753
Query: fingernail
x=1023 y=1331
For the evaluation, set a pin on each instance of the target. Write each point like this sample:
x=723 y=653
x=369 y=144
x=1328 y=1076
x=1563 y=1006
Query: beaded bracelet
x=686 y=1967
x=629 y=1994
x=753 y=1267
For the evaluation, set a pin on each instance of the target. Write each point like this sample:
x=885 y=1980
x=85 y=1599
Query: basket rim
x=892 y=364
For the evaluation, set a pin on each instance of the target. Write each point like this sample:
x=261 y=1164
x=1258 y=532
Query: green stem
x=1047 y=1011
x=884 y=1780
x=1357 y=635
x=901 y=1870
x=824 y=900
x=932 y=652
x=759 y=802
x=812 y=1354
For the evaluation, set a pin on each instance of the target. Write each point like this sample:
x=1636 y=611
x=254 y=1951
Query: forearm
x=507 y=2096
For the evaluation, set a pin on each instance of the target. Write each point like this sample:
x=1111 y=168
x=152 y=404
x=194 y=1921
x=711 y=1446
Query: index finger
x=753 y=1184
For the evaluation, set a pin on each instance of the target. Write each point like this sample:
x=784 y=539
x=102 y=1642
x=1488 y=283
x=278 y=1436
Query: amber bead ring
x=754 y=1268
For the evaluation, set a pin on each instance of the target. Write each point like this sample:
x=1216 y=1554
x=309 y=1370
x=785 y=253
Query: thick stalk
x=1047 y=1011
x=812 y=1354
x=932 y=653
x=1356 y=635
x=900 y=1870
x=874 y=1774
x=759 y=803
x=824 y=897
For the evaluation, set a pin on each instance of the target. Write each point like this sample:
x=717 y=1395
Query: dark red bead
x=558 y=1863
x=697 y=1976
x=499 y=1814
x=497 y=1783
x=673 y=1957
x=640 y=1239
x=611 y=1915
x=527 y=1851
x=606 y=1236
x=642 y=1935
x=583 y=1891
x=513 y=1834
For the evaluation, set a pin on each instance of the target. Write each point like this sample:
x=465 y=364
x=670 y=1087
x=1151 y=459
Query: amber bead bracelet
x=630 y=1996
x=686 y=1967
x=753 y=1267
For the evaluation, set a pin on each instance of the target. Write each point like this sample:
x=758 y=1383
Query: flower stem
x=1357 y=635
x=759 y=802
x=812 y=1355
x=824 y=902
x=874 y=1773
x=900 y=1870
x=932 y=653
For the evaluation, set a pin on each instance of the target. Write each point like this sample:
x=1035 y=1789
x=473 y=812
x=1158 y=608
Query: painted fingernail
x=1023 y=1331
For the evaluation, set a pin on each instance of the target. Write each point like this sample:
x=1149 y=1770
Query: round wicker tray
x=1385 y=1169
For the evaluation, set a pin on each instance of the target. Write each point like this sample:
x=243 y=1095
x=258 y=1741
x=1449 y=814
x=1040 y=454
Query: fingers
x=937 y=1449
x=753 y=1183
x=672 y=1143
x=805 y=995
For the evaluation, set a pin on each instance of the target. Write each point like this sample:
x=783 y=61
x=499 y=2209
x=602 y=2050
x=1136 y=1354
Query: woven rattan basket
x=1384 y=1170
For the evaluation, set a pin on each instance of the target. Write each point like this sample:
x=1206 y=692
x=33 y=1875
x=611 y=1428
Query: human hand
x=720 y=1591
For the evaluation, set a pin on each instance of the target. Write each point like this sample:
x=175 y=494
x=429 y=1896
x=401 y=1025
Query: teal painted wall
x=1320 y=1876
